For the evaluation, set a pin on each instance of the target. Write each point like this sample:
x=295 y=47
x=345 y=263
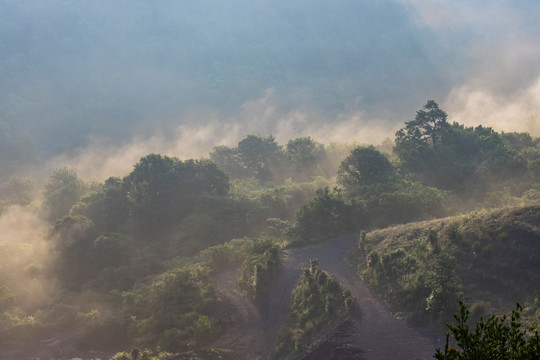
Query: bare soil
x=371 y=332
x=245 y=337
x=60 y=346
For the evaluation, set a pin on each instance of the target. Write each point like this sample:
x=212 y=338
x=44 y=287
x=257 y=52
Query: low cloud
x=350 y=126
x=500 y=72
x=100 y=160
x=24 y=255
x=474 y=106
x=470 y=104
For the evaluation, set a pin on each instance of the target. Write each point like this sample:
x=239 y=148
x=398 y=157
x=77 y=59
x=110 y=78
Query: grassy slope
x=496 y=260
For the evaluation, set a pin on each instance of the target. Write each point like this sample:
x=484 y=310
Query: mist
x=96 y=85
x=100 y=158
x=26 y=255
x=77 y=74
x=93 y=86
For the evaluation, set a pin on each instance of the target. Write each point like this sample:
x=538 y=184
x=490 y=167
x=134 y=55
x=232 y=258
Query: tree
x=304 y=154
x=454 y=157
x=364 y=166
x=327 y=215
x=197 y=232
x=110 y=250
x=258 y=154
x=494 y=338
x=430 y=122
x=74 y=237
x=445 y=287
x=414 y=142
x=163 y=190
x=7 y=299
x=228 y=159
x=17 y=190
x=107 y=206
x=62 y=191
x=518 y=141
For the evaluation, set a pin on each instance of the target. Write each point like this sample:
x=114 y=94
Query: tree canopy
x=430 y=123
x=454 y=157
x=162 y=189
x=62 y=191
x=364 y=166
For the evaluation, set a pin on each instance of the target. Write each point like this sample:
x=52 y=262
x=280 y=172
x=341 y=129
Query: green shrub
x=317 y=302
x=446 y=288
x=227 y=254
x=453 y=232
x=7 y=299
x=494 y=338
x=173 y=312
x=326 y=216
x=259 y=268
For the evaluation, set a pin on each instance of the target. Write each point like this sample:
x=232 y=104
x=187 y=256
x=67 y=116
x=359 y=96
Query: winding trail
x=369 y=333
x=245 y=337
x=372 y=332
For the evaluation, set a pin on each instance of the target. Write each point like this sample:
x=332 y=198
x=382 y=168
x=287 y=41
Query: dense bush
x=259 y=268
x=174 y=312
x=414 y=274
x=364 y=166
x=445 y=287
x=163 y=190
x=326 y=216
x=318 y=301
x=494 y=338
x=232 y=252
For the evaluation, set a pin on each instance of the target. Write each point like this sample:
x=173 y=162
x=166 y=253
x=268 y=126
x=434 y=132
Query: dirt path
x=245 y=337
x=61 y=346
x=376 y=331
x=254 y=332
x=371 y=333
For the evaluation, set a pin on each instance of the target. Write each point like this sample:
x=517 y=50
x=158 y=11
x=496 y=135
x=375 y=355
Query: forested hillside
x=132 y=262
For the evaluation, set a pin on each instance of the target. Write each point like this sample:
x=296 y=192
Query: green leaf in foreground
x=494 y=338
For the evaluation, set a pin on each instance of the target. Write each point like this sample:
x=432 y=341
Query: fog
x=25 y=254
x=100 y=159
x=502 y=75
x=119 y=79
x=94 y=85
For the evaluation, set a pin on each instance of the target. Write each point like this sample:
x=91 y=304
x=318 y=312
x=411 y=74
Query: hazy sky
x=123 y=76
